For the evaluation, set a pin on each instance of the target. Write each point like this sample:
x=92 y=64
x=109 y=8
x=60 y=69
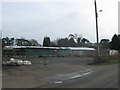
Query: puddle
x=58 y=82
x=81 y=75
x=60 y=78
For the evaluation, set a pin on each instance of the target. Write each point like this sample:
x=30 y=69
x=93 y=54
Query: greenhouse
x=38 y=51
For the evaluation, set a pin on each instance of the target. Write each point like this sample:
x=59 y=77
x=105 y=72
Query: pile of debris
x=16 y=62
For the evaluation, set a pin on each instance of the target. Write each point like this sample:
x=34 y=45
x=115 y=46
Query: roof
x=8 y=48
x=71 y=48
x=81 y=48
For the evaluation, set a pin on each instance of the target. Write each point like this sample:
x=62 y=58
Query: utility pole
x=1 y=34
x=97 y=36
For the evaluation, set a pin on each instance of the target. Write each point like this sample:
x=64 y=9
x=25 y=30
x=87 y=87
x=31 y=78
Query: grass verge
x=105 y=61
x=109 y=62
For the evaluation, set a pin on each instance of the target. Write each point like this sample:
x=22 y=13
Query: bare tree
x=34 y=42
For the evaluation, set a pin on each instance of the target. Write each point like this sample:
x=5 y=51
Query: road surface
x=106 y=77
x=66 y=72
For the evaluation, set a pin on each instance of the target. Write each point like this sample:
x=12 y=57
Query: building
x=38 y=51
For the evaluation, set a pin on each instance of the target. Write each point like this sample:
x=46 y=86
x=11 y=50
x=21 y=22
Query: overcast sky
x=56 y=19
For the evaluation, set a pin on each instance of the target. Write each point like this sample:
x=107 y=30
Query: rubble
x=16 y=62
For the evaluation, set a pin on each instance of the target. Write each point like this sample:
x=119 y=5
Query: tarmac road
x=28 y=76
x=106 y=77
x=76 y=69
